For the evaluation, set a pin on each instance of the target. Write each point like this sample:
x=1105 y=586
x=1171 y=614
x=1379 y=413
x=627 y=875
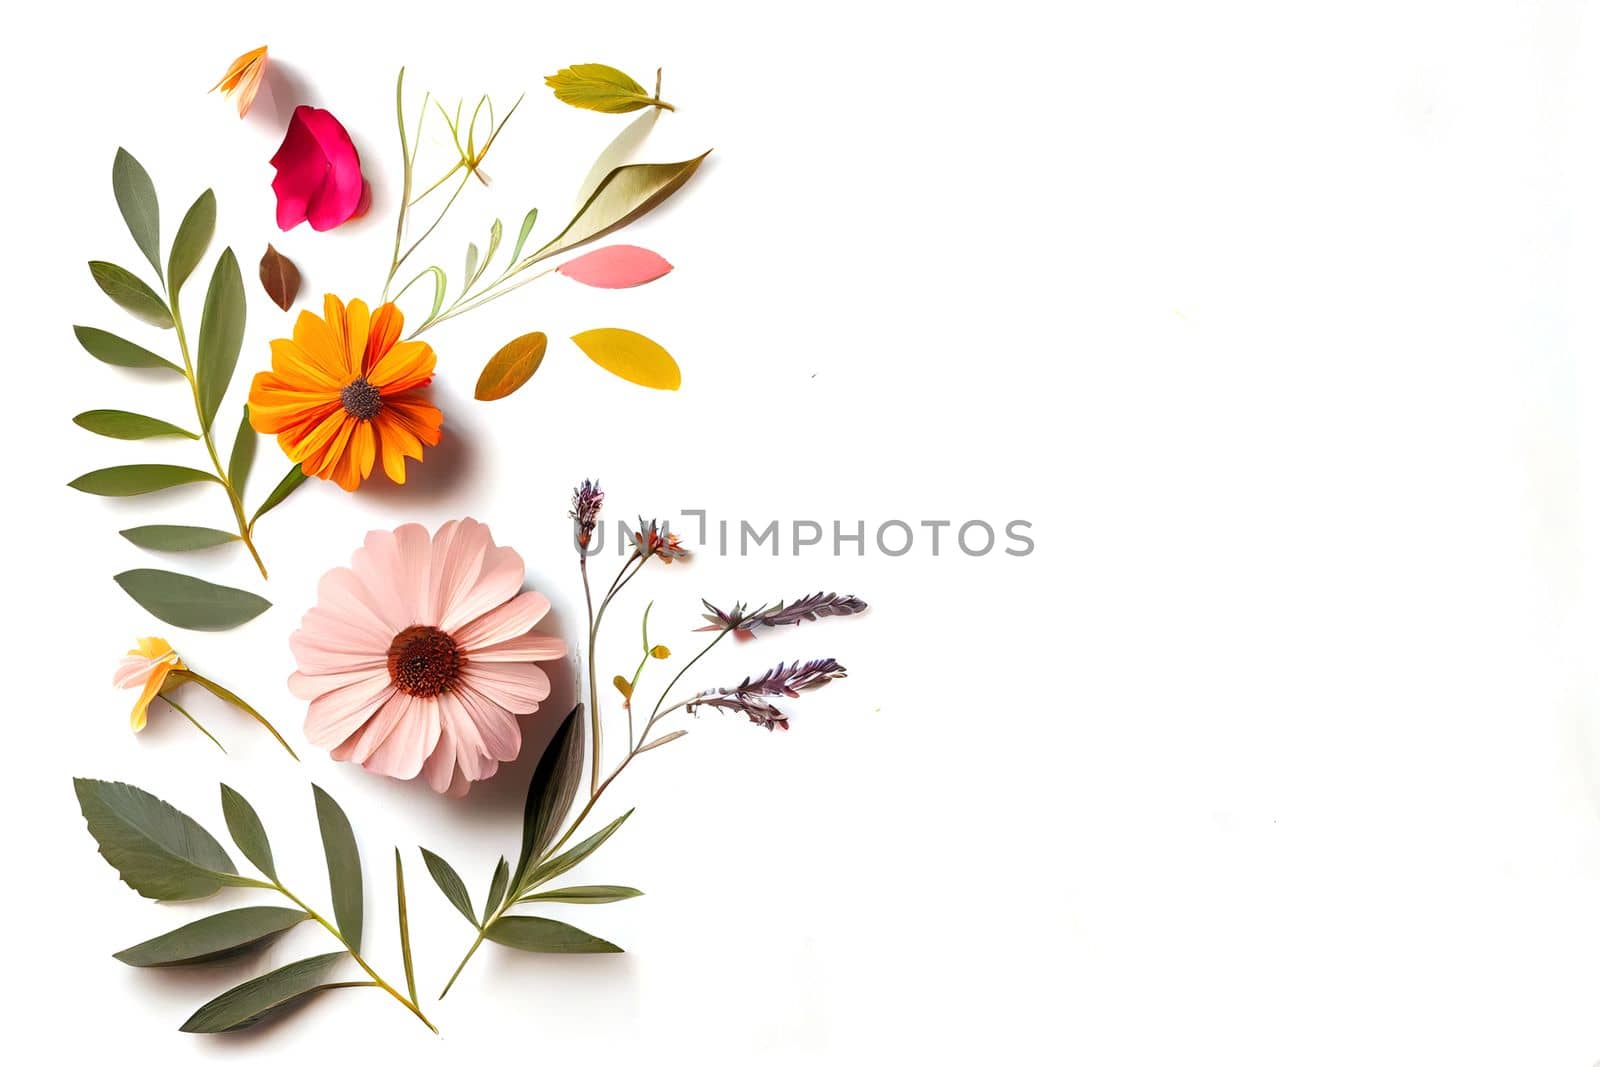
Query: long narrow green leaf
x=550 y=794
x=344 y=866
x=624 y=195
x=244 y=454
x=157 y=849
x=247 y=1004
x=291 y=481
x=405 y=926
x=136 y=199
x=109 y=348
x=450 y=884
x=128 y=425
x=135 y=479
x=216 y=937
x=248 y=833
x=497 y=888
x=191 y=603
x=221 y=335
x=575 y=855
x=534 y=933
x=237 y=701
x=130 y=293
x=194 y=235
x=585 y=894
x=177 y=538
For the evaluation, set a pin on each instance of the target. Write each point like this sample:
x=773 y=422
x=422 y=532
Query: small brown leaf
x=511 y=367
x=280 y=278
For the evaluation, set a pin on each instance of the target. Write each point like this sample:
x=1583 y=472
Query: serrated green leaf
x=291 y=481
x=597 y=87
x=194 y=236
x=157 y=849
x=585 y=894
x=221 y=335
x=450 y=884
x=245 y=827
x=130 y=293
x=128 y=426
x=177 y=538
x=559 y=865
x=550 y=793
x=136 y=199
x=194 y=604
x=533 y=933
x=135 y=479
x=247 y=1004
x=497 y=888
x=109 y=348
x=627 y=193
x=344 y=866
x=243 y=455
x=216 y=937
x=405 y=926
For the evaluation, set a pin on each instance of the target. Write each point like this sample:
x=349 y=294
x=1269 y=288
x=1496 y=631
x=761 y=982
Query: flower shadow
x=447 y=471
x=286 y=89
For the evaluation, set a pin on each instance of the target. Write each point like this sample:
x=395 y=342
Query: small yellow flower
x=146 y=668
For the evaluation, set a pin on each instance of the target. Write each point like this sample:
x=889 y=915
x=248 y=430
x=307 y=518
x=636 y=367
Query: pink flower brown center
x=424 y=661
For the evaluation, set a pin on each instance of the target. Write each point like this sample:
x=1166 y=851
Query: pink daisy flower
x=417 y=658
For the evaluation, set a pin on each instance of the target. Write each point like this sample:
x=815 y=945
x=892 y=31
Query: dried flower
x=743 y=622
x=243 y=78
x=740 y=620
x=146 y=668
x=653 y=540
x=750 y=696
x=586 y=501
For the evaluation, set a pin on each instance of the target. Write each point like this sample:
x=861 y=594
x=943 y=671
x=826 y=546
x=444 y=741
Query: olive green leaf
x=532 y=933
x=109 y=348
x=191 y=603
x=344 y=866
x=194 y=236
x=243 y=455
x=511 y=367
x=136 y=198
x=232 y=698
x=221 y=335
x=550 y=793
x=137 y=478
x=128 y=426
x=177 y=538
x=405 y=926
x=157 y=849
x=497 y=888
x=291 y=481
x=450 y=884
x=131 y=294
x=247 y=1004
x=554 y=868
x=626 y=194
x=597 y=87
x=248 y=833
x=586 y=894
x=216 y=937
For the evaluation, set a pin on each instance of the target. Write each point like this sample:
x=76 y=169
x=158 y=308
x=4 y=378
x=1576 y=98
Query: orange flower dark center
x=424 y=661
x=361 y=399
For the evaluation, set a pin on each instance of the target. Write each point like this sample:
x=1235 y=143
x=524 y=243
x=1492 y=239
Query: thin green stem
x=476 y=942
x=175 y=706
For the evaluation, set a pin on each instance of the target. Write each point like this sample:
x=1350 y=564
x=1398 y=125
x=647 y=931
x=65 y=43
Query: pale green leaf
x=136 y=199
x=626 y=194
x=194 y=604
x=597 y=87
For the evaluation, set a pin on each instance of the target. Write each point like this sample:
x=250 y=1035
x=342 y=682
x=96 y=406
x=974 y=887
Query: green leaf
x=597 y=87
x=510 y=368
x=550 y=793
x=626 y=194
x=450 y=884
x=136 y=197
x=194 y=237
x=586 y=894
x=188 y=602
x=472 y=265
x=405 y=926
x=137 y=478
x=216 y=937
x=291 y=481
x=232 y=698
x=109 y=348
x=554 y=868
x=248 y=833
x=344 y=866
x=247 y=1004
x=221 y=335
x=131 y=294
x=497 y=888
x=243 y=455
x=522 y=235
x=533 y=933
x=157 y=849
x=177 y=538
x=128 y=426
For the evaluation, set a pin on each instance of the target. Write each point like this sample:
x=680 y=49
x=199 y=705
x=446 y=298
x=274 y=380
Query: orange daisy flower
x=345 y=392
x=244 y=78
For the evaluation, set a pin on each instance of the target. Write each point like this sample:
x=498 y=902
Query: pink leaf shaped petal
x=319 y=172
x=616 y=267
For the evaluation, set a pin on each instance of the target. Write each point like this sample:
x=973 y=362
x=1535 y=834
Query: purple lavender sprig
x=743 y=622
x=750 y=696
x=586 y=501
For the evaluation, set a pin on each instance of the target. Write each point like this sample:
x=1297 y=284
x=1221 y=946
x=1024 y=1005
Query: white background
x=1275 y=320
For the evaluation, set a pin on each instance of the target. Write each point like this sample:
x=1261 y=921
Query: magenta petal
x=616 y=267
x=319 y=172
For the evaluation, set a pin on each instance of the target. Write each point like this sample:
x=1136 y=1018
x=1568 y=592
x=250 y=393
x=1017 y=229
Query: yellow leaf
x=597 y=87
x=631 y=356
x=661 y=652
x=511 y=367
x=623 y=687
